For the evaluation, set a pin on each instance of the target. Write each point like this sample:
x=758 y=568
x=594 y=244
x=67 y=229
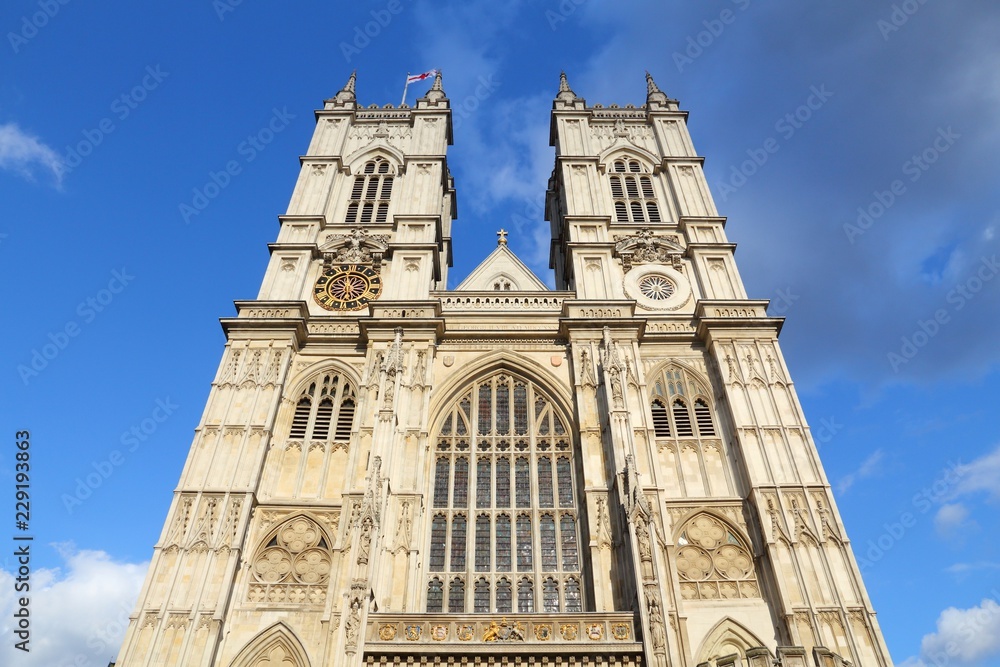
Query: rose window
x=655 y=287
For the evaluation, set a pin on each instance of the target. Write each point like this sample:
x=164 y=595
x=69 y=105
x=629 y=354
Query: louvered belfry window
x=504 y=523
x=632 y=192
x=370 y=193
x=324 y=410
x=680 y=405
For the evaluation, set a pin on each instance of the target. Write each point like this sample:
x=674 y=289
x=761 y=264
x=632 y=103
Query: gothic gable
x=502 y=271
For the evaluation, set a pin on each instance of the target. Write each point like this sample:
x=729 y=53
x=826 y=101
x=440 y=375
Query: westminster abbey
x=615 y=472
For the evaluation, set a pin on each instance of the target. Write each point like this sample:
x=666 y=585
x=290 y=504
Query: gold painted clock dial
x=347 y=287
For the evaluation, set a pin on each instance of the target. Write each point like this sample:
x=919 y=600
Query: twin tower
x=614 y=472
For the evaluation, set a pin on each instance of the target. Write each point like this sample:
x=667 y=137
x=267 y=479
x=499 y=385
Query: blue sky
x=853 y=146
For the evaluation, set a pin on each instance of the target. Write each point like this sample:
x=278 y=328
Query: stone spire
x=346 y=94
x=654 y=96
x=565 y=92
x=436 y=94
x=566 y=97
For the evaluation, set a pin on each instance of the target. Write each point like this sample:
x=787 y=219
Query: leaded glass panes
x=525 y=596
x=481 y=604
x=547 y=527
x=503 y=482
x=441 y=482
x=460 y=496
x=570 y=553
x=503 y=542
x=485 y=409
x=504 y=600
x=496 y=424
x=503 y=409
x=482 y=543
x=439 y=531
x=572 y=592
x=435 y=595
x=522 y=482
x=459 y=525
x=520 y=409
x=456 y=596
x=565 y=475
x=550 y=596
x=483 y=482
x=545 y=482
x=523 y=543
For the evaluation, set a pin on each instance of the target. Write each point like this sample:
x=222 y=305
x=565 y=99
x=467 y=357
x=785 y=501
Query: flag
x=420 y=77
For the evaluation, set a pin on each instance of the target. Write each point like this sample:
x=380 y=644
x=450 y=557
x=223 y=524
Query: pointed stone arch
x=299 y=380
x=487 y=364
x=727 y=637
x=355 y=161
x=276 y=646
x=505 y=471
x=627 y=151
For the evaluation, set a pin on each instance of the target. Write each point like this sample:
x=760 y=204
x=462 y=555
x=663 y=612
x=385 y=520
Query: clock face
x=348 y=287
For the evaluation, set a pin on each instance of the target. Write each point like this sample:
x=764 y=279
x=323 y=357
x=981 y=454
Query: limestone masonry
x=614 y=472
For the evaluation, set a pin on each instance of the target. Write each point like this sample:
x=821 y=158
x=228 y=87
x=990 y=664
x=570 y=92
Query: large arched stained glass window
x=505 y=523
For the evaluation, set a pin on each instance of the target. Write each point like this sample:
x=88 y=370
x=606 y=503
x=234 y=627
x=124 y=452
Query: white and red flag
x=413 y=78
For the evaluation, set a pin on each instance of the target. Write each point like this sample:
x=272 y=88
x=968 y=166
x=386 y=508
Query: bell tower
x=715 y=462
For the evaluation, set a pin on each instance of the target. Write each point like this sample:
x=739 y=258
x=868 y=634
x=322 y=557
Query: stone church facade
x=614 y=472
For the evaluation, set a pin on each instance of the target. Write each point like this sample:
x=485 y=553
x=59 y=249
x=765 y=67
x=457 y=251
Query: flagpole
x=405 y=86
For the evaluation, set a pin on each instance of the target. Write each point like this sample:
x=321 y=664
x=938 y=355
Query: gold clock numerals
x=347 y=287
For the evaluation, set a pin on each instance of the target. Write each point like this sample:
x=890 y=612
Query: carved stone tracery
x=293 y=566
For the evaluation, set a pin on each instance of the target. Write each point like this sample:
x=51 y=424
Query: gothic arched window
x=370 y=193
x=679 y=405
x=713 y=561
x=504 y=445
x=324 y=410
x=632 y=192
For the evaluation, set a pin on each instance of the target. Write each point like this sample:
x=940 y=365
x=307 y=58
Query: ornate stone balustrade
x=501 y=301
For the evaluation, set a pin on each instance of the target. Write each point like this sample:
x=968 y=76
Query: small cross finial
x=502 y=237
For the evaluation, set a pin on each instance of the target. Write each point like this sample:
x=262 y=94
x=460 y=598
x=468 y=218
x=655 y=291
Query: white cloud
x=964 y=636
x=869 y=467
x=980 y=475
x=950 y=519
x=79 y=612
x=963 y=570
x=23 y=153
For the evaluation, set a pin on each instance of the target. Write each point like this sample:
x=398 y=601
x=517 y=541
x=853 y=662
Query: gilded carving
x=504 y=631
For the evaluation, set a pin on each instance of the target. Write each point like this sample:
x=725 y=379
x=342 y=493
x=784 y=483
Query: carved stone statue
x=364 y=545
x=656 y=630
